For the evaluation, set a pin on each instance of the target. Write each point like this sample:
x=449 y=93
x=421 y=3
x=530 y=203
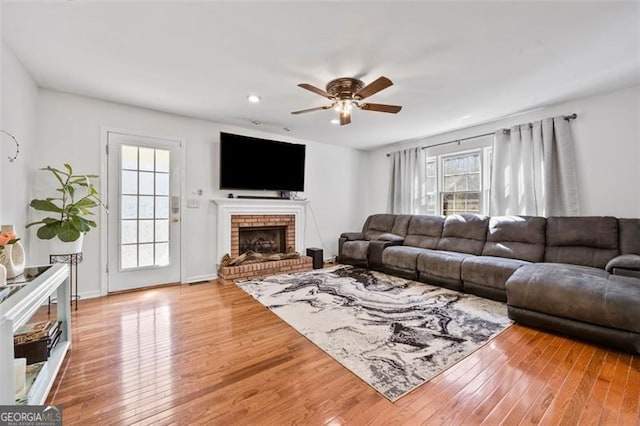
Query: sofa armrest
x=345 y=237
x=375 y=252
x=626 y=264
x=391 y=237
x=353 y=236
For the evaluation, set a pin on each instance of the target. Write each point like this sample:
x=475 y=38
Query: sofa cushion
x=390 y=237
x=424 y=231
x=629 y=236
x=587 y=241
x=464 y=233
x=402 y=257
x=441 y=263
x=489 y=271
x=380 y=224
x=516 y=237
x=577 y=292
x=355 y=250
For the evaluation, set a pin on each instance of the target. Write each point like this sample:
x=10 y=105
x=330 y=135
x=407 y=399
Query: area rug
x=393 y=333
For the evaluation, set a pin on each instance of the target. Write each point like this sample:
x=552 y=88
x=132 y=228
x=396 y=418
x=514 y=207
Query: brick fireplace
x=234 y=216
x=261 y=226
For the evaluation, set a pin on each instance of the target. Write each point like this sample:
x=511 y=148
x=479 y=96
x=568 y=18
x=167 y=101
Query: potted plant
x=77 y=199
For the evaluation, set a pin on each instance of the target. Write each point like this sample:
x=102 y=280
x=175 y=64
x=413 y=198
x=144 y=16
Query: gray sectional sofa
x=573 y=275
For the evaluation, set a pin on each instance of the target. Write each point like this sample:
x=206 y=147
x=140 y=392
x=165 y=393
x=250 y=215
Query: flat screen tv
x=260 y=164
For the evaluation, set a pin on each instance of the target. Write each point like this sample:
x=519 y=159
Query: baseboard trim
x=199 y=278
x=90 y=295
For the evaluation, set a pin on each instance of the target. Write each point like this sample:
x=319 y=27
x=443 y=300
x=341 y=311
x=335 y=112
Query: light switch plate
x=193 y=204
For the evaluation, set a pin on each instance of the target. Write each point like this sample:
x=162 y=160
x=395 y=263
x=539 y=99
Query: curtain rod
x=566 y=117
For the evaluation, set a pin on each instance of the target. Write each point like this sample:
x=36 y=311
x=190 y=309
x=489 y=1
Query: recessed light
x=254 y=99
x=257 y=122
x=335 y=121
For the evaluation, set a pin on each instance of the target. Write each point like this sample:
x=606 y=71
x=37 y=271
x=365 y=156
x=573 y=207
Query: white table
x=16 y=311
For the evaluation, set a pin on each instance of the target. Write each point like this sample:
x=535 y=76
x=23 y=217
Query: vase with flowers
x=12 y=258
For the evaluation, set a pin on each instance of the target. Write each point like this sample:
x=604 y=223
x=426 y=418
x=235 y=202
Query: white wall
x=18 y=117
x=607 y=136
x=69 y=131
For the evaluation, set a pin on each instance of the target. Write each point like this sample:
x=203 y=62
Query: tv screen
x=260 y=164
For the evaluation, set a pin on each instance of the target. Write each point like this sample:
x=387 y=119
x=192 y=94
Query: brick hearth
x=265 y=269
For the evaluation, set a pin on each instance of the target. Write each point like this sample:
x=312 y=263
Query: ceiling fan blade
x=314 y=89
x=345 y=118
x=393 y=109
x=311 y=109
x=373 y=88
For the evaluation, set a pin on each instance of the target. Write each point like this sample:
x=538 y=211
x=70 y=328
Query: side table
x=72 y=259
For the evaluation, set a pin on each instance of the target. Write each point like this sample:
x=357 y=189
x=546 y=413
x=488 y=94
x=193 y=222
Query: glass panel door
x=144 y=200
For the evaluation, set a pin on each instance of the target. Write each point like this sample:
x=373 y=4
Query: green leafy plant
x=77 y=200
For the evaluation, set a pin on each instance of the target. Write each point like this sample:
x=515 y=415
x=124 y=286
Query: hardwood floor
x=210 y=354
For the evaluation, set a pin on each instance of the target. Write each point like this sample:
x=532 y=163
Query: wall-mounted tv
x=260 y=164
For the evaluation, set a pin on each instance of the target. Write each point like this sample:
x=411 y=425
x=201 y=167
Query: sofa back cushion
x=587 y=240
x=379 y=224
x=629 y=236
x=516 y=237
x=424 y=231
x=464 y=233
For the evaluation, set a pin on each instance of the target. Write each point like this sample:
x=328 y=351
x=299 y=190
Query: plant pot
x=58 y=247
x=13 y=257
x=3 y=276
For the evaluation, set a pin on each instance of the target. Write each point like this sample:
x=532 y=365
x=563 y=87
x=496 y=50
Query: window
x=461 y=180
x=144 y=205
x=457 y=181
x=431 y=187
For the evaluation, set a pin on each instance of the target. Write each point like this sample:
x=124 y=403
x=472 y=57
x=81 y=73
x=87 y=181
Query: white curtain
x=407 y=180
x=534 y=170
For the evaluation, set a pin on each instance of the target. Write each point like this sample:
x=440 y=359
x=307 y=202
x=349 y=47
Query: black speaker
x=316 y=255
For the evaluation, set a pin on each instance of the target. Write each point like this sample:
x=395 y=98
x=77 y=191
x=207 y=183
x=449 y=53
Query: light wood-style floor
x=210 y=354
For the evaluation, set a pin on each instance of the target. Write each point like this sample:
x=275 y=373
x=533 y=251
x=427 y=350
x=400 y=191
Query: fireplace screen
x=262 y=239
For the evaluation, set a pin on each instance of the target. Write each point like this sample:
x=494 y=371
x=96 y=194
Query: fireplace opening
x=262 y=239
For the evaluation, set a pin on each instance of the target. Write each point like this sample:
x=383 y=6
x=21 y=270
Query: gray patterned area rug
x=393 y=333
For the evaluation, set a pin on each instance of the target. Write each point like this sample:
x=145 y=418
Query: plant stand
x=72 y=259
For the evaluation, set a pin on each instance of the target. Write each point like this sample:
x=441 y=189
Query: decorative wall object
x=15 y=156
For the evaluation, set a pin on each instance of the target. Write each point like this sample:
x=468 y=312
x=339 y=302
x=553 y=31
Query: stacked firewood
x=253 y=257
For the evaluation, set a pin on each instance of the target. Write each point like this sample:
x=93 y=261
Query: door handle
x=175 y=219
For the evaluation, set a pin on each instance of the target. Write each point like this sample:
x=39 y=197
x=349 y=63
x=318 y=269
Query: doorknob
x=175 y=219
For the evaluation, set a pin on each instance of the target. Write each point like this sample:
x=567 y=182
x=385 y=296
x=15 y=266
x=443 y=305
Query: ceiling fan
x=346 y=92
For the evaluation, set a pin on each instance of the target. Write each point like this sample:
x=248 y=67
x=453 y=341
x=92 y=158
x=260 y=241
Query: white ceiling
x=454 y=64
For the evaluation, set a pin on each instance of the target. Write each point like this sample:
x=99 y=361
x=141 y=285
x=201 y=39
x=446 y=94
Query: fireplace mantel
x=227 y=207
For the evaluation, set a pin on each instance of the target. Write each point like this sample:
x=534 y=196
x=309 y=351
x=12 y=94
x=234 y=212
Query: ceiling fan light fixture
x=346 y=92
x=344 y=106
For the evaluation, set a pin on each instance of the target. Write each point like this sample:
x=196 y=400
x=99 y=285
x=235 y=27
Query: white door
x=143 y=235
